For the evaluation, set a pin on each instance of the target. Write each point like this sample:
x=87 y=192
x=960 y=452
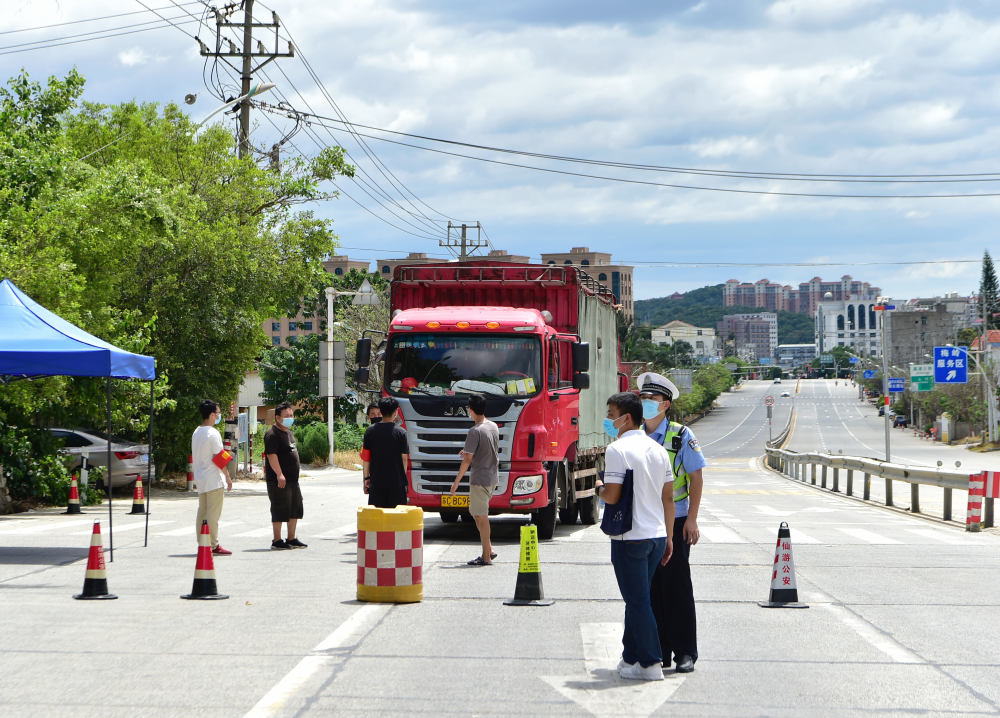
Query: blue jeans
x=634 y=563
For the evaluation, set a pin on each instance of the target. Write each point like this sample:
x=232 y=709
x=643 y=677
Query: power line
x=650 y=183
x=93 y=19
x=155 y=25
x=737 y=174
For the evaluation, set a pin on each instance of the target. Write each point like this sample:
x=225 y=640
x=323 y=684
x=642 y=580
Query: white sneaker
x=622 y=664
x=636 y=672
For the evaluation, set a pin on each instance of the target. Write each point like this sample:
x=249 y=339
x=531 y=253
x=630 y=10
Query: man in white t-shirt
x=636 y=553
x=211 y=480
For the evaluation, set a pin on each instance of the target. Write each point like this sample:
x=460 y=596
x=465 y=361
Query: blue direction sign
x=868 y=374
x=897 y=384
x=951 y=365
x=853 y=360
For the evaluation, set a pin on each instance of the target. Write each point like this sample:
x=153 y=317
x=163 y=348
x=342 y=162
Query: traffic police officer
x=672 y=593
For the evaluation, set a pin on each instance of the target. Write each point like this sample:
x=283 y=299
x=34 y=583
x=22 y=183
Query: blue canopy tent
x=34 y=342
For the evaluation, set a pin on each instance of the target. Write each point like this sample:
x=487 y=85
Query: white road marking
x=34 y=527
x=605 y=694
x=868 y=536
x=946 y=537
x=346 y=635
x=720 y=534
x=872 y=635
x=123 y=527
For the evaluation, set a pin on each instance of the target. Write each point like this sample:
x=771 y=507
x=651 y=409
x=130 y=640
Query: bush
x=313 y=444
x=348 y=437
x=32 y=466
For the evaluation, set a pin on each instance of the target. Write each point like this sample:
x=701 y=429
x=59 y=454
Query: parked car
x=900 y=420
x=128 y=460
x=785 y=393
x=777 y=380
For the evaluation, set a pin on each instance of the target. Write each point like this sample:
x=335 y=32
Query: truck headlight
x=527 y=484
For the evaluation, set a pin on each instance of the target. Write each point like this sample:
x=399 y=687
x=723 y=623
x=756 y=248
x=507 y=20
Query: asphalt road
x=901 y=618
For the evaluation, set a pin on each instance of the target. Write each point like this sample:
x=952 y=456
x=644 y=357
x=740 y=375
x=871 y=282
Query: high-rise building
x=618 y=277
x=754 y=336
x=915 y=329
x=850 y=323
x=783 y=298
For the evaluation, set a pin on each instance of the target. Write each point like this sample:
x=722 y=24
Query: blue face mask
x=288 y=421
x=218 y=419
x=650 y=408
x=610 y=429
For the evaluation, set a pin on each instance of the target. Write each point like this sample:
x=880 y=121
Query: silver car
x=128 y=460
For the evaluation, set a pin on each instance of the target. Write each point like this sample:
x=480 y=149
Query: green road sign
x=826 y=358
x=922 y=383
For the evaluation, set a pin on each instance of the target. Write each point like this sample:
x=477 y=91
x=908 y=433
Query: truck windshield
x=462 y=364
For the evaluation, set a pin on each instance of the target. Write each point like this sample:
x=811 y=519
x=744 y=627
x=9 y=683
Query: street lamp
x=365 y=296
x=257 y=89
x=884 y=307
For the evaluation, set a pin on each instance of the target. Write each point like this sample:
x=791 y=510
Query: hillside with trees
x=703 y=308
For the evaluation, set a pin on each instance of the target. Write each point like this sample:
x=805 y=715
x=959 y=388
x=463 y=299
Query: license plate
x=454 y=502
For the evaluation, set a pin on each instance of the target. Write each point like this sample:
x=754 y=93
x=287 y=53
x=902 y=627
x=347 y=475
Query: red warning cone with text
x=138 y=498
x=784 y=594
x=73 y=504
x=95 y=584
x=204 y=570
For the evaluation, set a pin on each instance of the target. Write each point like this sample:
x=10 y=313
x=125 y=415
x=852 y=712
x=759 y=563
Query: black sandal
x=478 y=561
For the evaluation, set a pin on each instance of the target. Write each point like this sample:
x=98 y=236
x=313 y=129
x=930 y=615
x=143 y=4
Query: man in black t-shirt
x=281 y=471
x=385 y=457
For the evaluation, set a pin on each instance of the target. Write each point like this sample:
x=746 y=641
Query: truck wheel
x=567 y=515
x=545 y=519
x=449 y=517
x=588 y=510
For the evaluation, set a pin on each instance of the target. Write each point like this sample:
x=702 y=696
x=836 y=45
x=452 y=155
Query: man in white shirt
x=211 y=480
x=636 y=553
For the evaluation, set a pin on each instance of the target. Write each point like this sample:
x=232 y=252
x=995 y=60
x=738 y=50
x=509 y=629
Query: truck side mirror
x=581 y=356
x=361 y=376
x=363 y=352
x=581 y=380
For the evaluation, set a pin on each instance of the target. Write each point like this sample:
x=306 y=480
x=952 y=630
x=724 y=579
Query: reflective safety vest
x=673 y=441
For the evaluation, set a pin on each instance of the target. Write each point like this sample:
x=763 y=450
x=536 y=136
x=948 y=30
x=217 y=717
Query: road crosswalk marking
x=868 y=536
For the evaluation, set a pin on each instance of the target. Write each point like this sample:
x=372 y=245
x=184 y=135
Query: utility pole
x=247 y=54
x=464 y=244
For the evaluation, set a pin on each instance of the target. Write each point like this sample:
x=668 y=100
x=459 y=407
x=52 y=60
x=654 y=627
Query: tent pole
x=107 y=480
x=149 y=466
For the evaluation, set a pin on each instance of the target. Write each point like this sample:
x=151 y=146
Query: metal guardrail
x=805 y=467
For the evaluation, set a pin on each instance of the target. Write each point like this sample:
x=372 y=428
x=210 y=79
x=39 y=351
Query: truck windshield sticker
x=449 y=365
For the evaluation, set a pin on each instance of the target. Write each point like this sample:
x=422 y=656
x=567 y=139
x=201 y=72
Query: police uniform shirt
x=689 y=457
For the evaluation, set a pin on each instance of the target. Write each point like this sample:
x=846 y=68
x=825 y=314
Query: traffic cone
x=190 y=473
x=73 y=504
x=784 y=594
x=95 y=584
x=204 y=570
x=528 y=589
x=138 y=498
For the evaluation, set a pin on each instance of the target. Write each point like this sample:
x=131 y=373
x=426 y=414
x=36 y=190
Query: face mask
x=218 y=419
x=288 y=421
x=650 y=408
x=375 y=420
x=610 y=429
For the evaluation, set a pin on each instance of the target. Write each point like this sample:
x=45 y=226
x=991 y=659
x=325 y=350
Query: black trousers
x=673 y=601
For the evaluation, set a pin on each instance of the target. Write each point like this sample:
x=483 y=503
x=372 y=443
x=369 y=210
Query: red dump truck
x=540 y=343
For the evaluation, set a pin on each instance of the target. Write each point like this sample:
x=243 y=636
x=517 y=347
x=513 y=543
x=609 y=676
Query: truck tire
x=589 y=508
x=545 y=519
x=567 y=516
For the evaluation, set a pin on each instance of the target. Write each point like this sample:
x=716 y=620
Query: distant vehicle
x=881 y=411
x=900 y=420
x=128 y=460
x=785 y=393
x=777 y=380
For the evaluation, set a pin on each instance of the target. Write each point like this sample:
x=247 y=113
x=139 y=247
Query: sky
x=692 y=91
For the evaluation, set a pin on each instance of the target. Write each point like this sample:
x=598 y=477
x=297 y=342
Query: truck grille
x=434 y=443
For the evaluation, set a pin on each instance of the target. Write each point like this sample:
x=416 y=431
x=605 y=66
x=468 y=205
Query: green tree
x=135 y=230
x=989 y=293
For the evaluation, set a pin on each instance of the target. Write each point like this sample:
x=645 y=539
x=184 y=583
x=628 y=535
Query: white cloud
x=133 y=56
x=817 y=11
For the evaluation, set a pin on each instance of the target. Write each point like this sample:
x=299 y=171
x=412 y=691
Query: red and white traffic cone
x=73 y=503
x=190 y=473
x=138 y=498
x=784 y=594
x=95 y=583
x=204 y=570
